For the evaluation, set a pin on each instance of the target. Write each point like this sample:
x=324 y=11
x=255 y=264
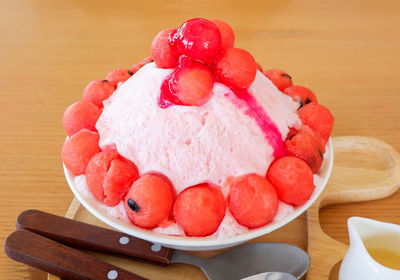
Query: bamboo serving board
x=357 y=160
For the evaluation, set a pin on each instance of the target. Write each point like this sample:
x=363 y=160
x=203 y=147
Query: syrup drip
x=268 y=127
x=167 y=97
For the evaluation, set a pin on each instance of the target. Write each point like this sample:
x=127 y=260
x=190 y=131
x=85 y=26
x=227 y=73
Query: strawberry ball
x=198 y=39
x=109 y=176
x=149 y=201
x=139 y=65
x=80 y=115
x=318 y=118
x=98 y=91
x=307 y=145
x=301 y=94
x=227 y=34
x=163 y=55
x=78 y=149
x=292 y=180
x=253 y=201
x=236 y=68
x=199 y=209
x=192 y=83
x=119 y=75
x=279 y=78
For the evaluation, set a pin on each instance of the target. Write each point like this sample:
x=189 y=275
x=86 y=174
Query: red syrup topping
x=268 y=127
x=167 y=96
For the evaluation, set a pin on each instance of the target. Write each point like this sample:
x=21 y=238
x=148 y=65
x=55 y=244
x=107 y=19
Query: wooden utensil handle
x=91 y=237
x=40 y=252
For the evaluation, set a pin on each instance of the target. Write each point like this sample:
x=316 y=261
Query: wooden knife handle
x=40 y=252
x=91 y=237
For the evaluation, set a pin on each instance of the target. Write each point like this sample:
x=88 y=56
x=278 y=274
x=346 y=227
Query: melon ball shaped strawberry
x=199 y=209
x=164 y=56
x=78 y=149
x=109 y=176
x=236 y=68
x=279 y=78
x=80 y=115
x=301 y=94
x=192 y=82
x=307 y=145
x=318 y=118
x=227 y=34
x=253 y=201
x=149 y=201
x=292 y=179
x=119 y=75
x=98 y=91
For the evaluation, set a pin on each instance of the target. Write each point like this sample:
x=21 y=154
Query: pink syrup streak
x=268 y=127
x=168 y=98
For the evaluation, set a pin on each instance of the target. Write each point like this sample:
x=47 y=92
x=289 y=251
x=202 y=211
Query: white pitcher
x=358 y=263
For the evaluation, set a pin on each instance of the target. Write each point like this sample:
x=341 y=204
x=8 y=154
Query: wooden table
x=348 y=52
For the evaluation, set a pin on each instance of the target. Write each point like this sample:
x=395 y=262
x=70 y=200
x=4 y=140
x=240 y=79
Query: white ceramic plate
x=199 y=243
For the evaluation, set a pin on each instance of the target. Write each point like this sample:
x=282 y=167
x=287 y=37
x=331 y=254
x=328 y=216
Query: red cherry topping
x=80 y=115
x=252 y=200
x=236 y=68
x=119 y=75
x=98 y=91
x=190 y=84
x=199 y=210
x=227 y=34
x=301 y=94
x=164 y=56
x=79 y=149
x=279 y=78
x=318 y=118
x=198 y=39
x=149 y=201
x=292 y=179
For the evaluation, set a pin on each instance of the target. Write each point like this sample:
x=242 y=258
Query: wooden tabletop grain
x=347 y=52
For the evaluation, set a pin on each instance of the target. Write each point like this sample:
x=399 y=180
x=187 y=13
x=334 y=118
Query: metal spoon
x=271 y=276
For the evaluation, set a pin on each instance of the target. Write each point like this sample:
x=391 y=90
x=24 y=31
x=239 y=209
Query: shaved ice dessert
x=197 y=139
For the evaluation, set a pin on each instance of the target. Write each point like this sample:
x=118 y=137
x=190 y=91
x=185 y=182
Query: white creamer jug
x=374 y=252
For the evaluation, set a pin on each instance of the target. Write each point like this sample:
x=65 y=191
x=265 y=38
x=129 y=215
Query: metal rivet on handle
x=124 y=240
x=156 y=248
x=112 y=274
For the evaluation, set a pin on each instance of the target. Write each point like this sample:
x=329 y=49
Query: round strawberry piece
x=318 y=118
x=80 y=115
x=301 y=94
x=192 y=83
x=98 y=91
x=149 y=201
x=236 y=68
x=78 y=149
x=227 y=34
x=109 y=176
x=279 y=78
x=253 y=201
x=163 y=55
x=307 y=145
x=199 y=209
x=292 y=179
x=139 y=65
x=119 y=75
x=197 y=38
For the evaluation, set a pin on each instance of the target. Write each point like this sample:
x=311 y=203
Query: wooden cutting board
x=357 y=160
